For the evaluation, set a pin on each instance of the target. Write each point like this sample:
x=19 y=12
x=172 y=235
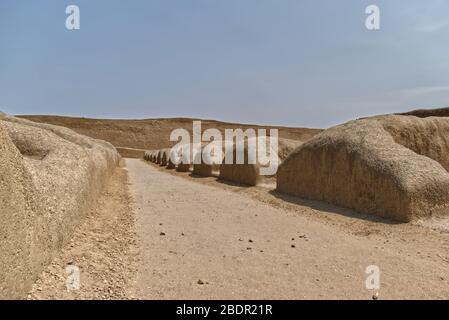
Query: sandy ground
x=103 y=249
x=198 y=238
x=210 y=240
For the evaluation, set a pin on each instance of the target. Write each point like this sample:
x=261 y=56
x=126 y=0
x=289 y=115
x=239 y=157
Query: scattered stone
x=200 y=282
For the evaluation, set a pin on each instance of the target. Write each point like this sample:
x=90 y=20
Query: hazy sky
x=290 y=62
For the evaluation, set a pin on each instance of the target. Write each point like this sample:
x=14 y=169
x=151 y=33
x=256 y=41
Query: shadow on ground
x=330 y=208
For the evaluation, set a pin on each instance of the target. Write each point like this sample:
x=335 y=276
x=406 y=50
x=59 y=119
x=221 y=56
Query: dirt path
x=201 y=241
x=156 y=234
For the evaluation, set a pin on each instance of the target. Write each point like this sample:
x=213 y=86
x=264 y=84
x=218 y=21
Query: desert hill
x=152 y=133
x=424 y=113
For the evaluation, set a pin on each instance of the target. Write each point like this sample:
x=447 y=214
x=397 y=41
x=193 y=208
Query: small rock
x=250 y=240
x=162 y=234
x=200 y=282
x=293 y=246
x=376 y=296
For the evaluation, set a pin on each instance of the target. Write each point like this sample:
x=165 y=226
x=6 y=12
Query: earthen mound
x=49 y=179
x=393 y=166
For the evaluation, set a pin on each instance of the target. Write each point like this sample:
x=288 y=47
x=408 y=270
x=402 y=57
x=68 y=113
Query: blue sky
x=288 y=62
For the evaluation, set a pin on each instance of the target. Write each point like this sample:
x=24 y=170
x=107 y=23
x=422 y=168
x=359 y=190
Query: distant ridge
x=424 y=113
x=152 y=133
